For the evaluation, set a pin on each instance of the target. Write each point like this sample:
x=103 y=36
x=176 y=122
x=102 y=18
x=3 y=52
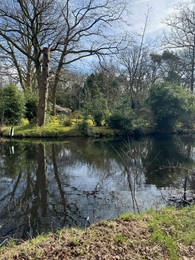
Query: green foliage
x=172 y=227
x=97 y=108
x=188 y=118
x=124 y=106
x=98 y=117
x=48 y=131
x=121 y=122
x=120 y=238
x=13 y=105
x=167 y=242
x=76 y=115
x=122 y=117
x=31 y=105
x=85 y=128
x=169 y=65
x=102 y=81
x=141 y=121
x=52 y=120
x=127 y=216
x=24 y=122
x=168 y=102
x=67 y=121
x=100 y=93
x=60 y=119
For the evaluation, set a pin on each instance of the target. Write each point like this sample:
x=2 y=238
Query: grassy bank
x=60 y=131
x=55 y=131
x=166 y=234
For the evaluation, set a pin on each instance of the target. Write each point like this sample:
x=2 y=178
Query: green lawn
x=53 y=131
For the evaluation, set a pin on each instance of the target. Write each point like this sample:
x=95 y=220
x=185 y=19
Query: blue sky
x=160 y=9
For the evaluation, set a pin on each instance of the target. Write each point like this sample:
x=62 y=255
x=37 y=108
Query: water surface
x=45 y=185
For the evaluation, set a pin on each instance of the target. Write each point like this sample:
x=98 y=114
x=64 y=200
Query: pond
x=46 y=184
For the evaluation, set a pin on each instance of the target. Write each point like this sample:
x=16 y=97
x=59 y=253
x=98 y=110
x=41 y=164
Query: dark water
x=47 y=185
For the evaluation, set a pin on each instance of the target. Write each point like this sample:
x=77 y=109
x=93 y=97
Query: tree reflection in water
x=170 y=163
x=48 y=185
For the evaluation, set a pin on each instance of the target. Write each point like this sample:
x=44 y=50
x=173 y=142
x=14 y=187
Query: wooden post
x=11 y=133
x=43 y=88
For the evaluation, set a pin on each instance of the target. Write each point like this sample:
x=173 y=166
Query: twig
x=3 y=242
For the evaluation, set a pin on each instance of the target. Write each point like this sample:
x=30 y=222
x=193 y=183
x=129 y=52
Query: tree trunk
x=192 y=67
x=56 y=80
x=41 y=181
x=54 y=102
x=43 y=88
x=28 y=83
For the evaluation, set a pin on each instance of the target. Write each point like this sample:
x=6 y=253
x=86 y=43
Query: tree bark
x=41 y=181
x=43 y=88
x=192 y=67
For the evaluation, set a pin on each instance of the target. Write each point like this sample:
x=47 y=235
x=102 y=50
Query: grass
x=53 y=131
x=171 y=228
x=120 y=238
x=165 y=234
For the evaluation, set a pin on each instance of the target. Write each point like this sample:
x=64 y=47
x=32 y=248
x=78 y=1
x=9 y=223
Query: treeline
x=136 y=87
x=102 y=99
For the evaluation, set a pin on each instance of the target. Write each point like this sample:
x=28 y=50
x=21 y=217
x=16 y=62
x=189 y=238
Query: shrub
x=90 y=122
x=76 y=115
x=168 y=102
x=13 y=105
x=98 y=118
x=121 y=122
x=85 y=128
x=67 y=122
x=24 y=121
x=96 y=108
x=31 y=107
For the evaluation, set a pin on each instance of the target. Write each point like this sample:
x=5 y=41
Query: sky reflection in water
x=47 y=185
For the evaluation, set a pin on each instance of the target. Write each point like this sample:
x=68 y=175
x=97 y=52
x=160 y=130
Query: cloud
x=159 y=10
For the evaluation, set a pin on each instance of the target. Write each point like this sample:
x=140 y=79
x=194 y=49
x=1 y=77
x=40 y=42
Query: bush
x=24 y=122
x=98 y=118
x=76 y=115
x=96 y=108
x=12 y=105
x=168 y=102
x=141 y=121
x=120 y=122
x=67 y=122
x=85 y=128
x=31 y=108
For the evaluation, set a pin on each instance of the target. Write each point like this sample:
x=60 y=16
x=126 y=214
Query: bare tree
x=182 y=36
x=25 y=27
x=68 y=95
x=72 y=29
x=88 y=30
x=136 y=68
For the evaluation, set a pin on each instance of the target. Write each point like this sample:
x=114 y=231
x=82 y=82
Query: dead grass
x=167 y=234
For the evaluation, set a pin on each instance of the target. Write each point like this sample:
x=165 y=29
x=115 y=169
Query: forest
x=124 y=80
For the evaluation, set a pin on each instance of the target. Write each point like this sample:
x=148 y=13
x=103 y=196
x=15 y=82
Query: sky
x=160 y=9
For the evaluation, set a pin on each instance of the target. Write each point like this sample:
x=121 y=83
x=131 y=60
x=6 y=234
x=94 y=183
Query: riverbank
x=59 y=131
x=79 y=130
x=165 y=234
